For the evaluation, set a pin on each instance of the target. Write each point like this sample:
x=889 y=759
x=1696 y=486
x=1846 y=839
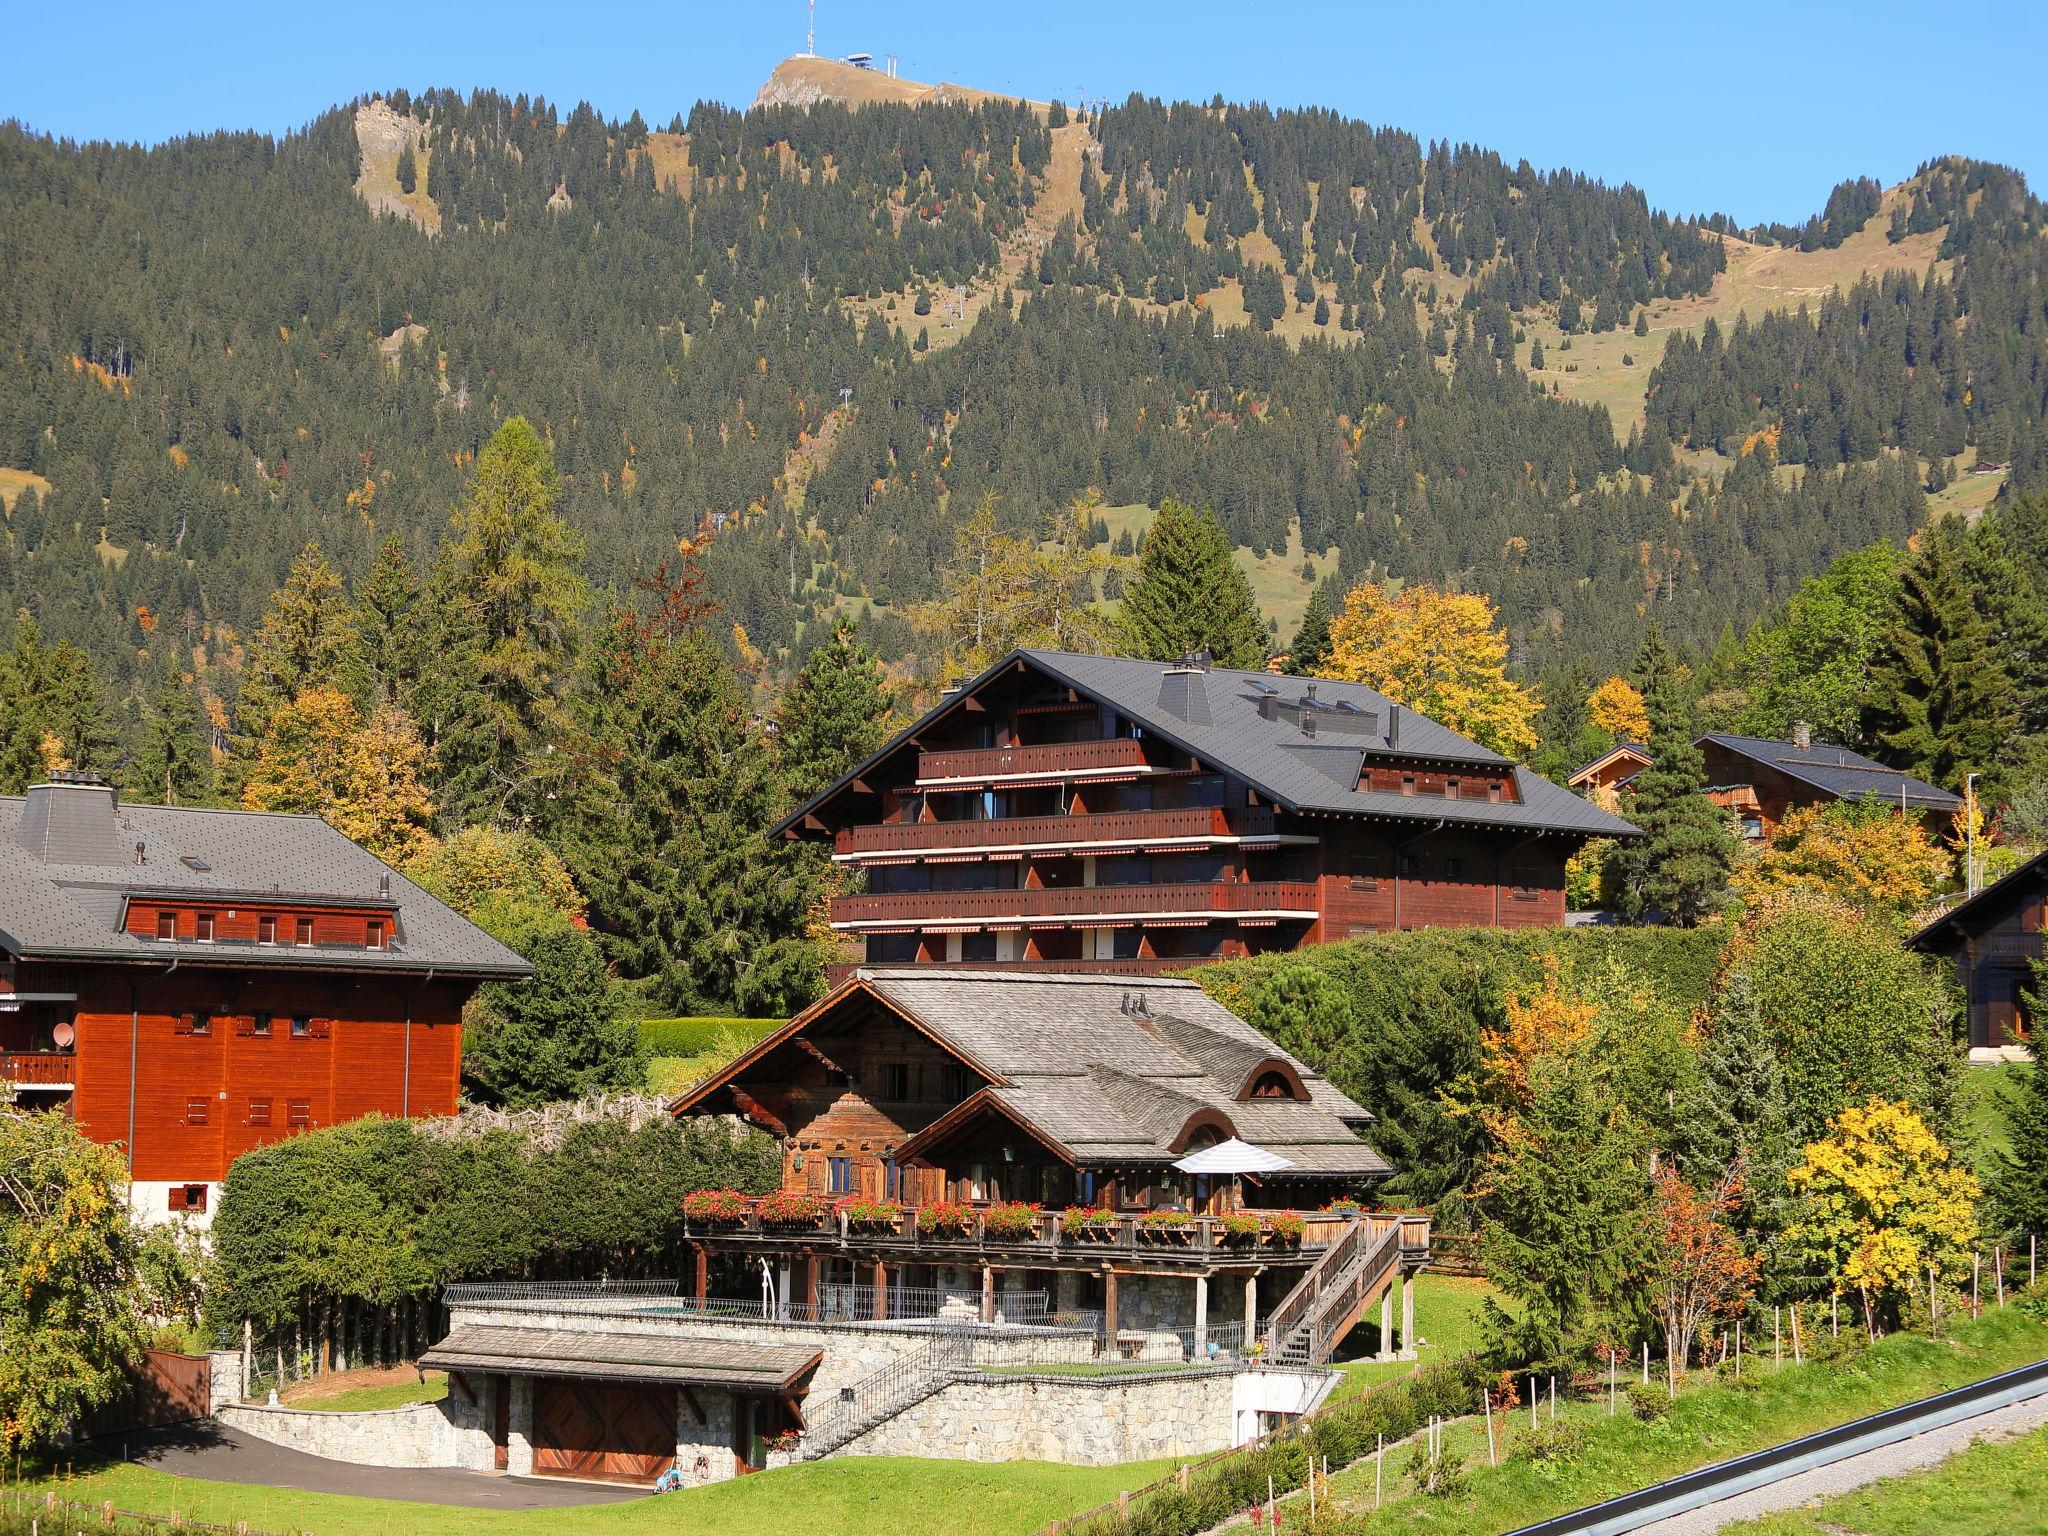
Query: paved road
x=1915 y=1455
x=223 y=1455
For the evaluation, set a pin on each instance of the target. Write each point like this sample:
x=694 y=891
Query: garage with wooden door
x=625 y=1407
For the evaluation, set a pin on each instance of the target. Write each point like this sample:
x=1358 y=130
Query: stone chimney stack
x=1802 y=735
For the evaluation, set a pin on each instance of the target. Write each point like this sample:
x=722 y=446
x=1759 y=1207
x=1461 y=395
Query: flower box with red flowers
x=1010 y=1220
x=1083 y=1225
x=793 y=1208
x=1166 y=1227
x=948 y=1218
x=1284 y=1228
x=872 y=1215
x=716 y=1207
x=1239 y=1227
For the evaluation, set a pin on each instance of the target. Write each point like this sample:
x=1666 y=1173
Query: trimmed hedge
x=700 y=1036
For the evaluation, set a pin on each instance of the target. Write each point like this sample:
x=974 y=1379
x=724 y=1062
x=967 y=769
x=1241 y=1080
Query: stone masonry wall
x=449 y=1433
x=1078 y=1421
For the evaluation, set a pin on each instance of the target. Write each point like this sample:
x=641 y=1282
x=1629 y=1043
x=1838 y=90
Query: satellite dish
x=63 y=1035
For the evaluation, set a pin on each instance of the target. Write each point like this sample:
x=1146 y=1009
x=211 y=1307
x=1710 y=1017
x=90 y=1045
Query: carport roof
x=606 y=1356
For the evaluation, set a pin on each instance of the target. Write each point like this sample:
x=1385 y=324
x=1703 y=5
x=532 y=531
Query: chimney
x=1308 y=722
x=1393 y=726
x=71 y=820
x=1802 y=735
x=1266 y=703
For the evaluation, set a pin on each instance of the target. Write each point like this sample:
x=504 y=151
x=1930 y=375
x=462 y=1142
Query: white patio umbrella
x=1232 y=1158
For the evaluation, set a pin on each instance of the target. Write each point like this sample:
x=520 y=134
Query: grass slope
x=368 y=1399
x=1706 y=1425
x=1447 y=1324
x=1993 y=1489
x=858 y=1496
x=14 y=481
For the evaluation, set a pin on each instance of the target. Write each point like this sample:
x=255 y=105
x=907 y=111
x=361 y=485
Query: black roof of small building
x=1215 y=715
x=1988 y=908
x=1837 y=771
x=72 y=857
x=632 y=1353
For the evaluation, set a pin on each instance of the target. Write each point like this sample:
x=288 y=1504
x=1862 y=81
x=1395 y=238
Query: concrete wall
x=450 y=1433
x=1081 y=1421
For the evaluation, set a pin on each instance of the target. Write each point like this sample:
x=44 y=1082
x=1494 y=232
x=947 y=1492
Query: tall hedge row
x=1394 y=1019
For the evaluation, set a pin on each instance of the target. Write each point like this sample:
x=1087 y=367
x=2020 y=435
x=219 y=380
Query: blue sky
x=1752 y=109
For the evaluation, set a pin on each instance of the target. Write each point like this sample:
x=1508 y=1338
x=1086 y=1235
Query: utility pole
x=1970 y=834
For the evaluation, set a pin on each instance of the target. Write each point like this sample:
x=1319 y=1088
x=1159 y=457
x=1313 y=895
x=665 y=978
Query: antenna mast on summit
x=811 y=32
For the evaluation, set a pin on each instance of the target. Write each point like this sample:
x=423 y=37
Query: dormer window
x=203 y=927
x=305 y=933
x=1450 y=789
x=266 y=928
x=373 y=936
x=1407 y=783
x=166 y=926
x=1493 y=791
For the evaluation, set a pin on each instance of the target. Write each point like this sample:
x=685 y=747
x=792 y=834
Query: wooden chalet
x=918 y=1109
x=1759 y=780
x=1995 y=939
x=1612 y=768
x=1063 y=812
x=190 y=984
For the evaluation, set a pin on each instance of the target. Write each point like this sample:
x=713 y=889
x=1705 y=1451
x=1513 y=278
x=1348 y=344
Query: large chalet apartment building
x=1072 y=812
x=190 y=984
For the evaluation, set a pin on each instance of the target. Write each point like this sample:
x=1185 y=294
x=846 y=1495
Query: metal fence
x=1086 y=1351
x=473 y=1292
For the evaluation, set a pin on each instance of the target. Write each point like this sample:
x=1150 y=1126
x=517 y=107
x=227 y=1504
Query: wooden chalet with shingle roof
x=1067 y=812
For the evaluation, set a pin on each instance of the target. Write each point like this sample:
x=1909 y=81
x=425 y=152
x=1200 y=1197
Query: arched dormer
x=1205 y=1127
x=1273 y=1078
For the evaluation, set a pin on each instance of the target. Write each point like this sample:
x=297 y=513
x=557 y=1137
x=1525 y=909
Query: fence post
x=1486 y=1406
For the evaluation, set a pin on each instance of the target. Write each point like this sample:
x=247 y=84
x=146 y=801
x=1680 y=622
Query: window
x=202 y=1023
x=1407 y=783
x=977 y=946
x=1454 y=869
x=374 y=934
x=1450 y=789
x=1411 y=866
x=187 y=1197
x=260 y=1025
x=892 y=1180
x=305 y=933
x=1364 y=869
x=1493 y=791
x=1752 y=827
x=1125 y=943
x=835 y=1078
x=266 y=928
x=959 y=1083
x=259 y=1112
x=891 y=948
x=203 y=927
x=167 y=925
x=1133 y=870
x=195 y=1111
x=839 y=1175
x=298 y=1113
x=896 y=1082
x=302 y=1026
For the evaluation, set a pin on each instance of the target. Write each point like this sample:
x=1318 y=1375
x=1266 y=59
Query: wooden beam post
x=1407 y=1315
x=1251 y=1305
x=1109 y=1307
x=702 y=1279
x=988 y=1293
x=881 y=1291
x=811 y=1281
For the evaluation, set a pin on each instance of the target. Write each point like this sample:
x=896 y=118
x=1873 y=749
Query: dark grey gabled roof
x=1214 y=716
x=621 y=1355
x=65 y=890
x=1838 y=771
x=1984 y=910
x=1111 y=1067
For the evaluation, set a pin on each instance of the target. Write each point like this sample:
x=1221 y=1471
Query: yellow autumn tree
x=320 y=757
x=1866 y=854
x=1617 y=707
x=1438 y=653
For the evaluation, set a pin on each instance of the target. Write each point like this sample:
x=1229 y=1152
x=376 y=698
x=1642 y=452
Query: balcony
x=1192 y=826
x=1114 y=758
x=1094 y=906
x=38 y=1069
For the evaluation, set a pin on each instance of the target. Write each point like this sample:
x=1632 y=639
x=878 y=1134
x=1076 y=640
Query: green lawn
x=1989 y=1490
x=396 y=1394
x=1447 y=1311
x=857 y=1496
x=1708 y=1424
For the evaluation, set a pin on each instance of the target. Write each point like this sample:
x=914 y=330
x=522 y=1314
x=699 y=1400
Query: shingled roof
x=1106 y=1069
x=69 y=866
x=636 y=1355
x=1838 y=771
x=1215 y=715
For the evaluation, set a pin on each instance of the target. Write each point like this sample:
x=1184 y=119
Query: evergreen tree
x=408 y=170
x=670 y=842
x=1535 y=357
x=1189 y=594
x=173 y=763
x=2012 y=607
x=2018 y=1178
x=835 y=714
x=1679 y=867
x=561 y=1035
x=307 y=639
x=1940 y=703
x=510 y=597
x=1310 y=652
x=52 y=712
x=388 y=619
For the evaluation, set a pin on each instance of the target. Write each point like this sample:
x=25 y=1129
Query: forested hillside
x=217 y=350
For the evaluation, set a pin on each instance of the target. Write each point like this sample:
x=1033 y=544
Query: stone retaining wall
x=449 y=1433
x=1082 y=1421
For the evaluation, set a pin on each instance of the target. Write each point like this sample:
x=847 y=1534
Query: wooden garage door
x=593 y=1429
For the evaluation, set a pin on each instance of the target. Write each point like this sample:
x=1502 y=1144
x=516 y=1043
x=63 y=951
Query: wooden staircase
x=1330 y=1299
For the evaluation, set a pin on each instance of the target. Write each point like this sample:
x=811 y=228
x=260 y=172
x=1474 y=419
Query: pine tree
x=174 y=760
x=1310 y=652
x=1679 y=868
x=307 y=639
x=52 y=710
x=563 y=1034
x=1940 y=703
x=388 y=618
x=2018 y=1177
x=835 y=714
x=509 y=597
x=1189 y=594
x=408 y=170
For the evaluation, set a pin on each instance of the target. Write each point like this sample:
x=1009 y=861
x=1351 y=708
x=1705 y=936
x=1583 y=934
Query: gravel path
x=1913 y=1455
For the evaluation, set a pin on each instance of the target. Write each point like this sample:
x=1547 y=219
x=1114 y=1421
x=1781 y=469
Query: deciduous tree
x=1866 y=853
x=1438 y=653
x=1616 y=707
x=320 y=757
x=1702 y=1270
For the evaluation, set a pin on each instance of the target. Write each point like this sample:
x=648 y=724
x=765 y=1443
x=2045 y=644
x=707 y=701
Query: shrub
x=1561 y=1441
x=946 y=1216
x=1011 y=1218
x=1648 y=1401
x=1441 y=1476
x=702 y=1036
x=722 y=1206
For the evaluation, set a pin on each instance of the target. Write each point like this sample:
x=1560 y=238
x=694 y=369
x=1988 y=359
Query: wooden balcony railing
x=987 y=764
x=1134 y=829
x=1075 y=902
x=38 y=1069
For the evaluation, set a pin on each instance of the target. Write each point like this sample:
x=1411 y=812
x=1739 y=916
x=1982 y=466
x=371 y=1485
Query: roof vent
x=1393 y=726
x=384 y=885
x=1191 y=661
x=72 y=820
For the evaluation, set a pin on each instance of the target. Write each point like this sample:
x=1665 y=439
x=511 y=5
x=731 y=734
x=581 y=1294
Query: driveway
x=212 y=1451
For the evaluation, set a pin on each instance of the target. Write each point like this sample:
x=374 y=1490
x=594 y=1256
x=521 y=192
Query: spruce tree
x=1940 y=703
x=563 y=1034
x=52 y=710
x=509 y=599
x=388 y=620
x=173 y=762
x=2012 y=607
x=1189 y=594
x=1739 y=1108
x=1310 y=652
x=408 y=170
x=835 y=714
x=2018 y=1180
x=307 y=638
x=1679 y=867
